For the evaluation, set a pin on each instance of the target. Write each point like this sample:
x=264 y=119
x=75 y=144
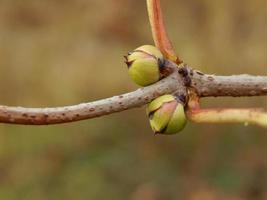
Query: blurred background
x=63 y=52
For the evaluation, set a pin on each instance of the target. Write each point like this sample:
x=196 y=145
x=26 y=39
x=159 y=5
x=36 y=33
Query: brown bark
x=205 y=86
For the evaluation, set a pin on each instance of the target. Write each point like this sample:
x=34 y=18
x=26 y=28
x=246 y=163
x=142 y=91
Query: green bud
x=144 y=65
x=166 y=115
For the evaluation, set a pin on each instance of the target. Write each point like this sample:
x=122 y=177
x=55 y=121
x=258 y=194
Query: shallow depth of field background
x=63 y=52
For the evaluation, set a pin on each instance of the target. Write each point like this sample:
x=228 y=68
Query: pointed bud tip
x=168 y=115
x=144 y=64
x=129 y=63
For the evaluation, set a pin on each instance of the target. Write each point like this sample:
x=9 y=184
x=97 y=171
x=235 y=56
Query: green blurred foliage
x=62 y=52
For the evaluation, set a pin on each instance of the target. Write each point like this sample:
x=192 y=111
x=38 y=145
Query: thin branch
x=224 y=115
x=159 y=32
x=204 y=85
x=45 y=116
x=246 y=116
x=234 y=86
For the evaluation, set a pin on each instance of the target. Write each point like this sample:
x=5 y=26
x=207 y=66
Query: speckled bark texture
x=43 y=116
x=235 y=85
x=177 y=82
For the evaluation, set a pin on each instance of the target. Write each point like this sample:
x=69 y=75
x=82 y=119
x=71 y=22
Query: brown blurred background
x=62 y=52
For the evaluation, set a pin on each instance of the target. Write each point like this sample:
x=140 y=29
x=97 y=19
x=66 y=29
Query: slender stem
x=159 y=32
x=246 y=116
x=241 y=85
x=223 y=115
x=234 y=85
x=204 y=85
x=44 y=116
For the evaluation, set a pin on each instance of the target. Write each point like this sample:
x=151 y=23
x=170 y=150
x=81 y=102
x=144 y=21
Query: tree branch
x=45 y=116
x=229 y=115
x=159 y=31
x=234 y=85
x=204 y=85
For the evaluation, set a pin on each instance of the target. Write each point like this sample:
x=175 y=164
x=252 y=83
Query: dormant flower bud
x=166 y=115
x=144 y=65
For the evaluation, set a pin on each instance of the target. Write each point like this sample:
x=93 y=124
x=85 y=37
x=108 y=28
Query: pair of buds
x=166 y=113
